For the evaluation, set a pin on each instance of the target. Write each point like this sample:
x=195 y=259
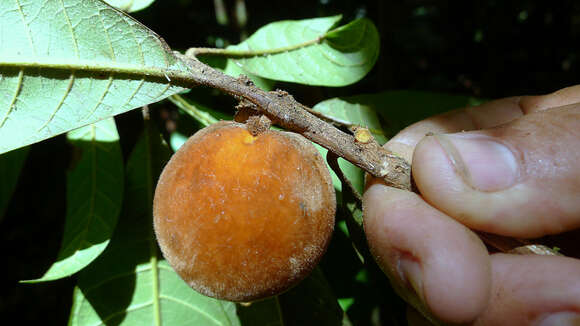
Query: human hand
x=516 y=174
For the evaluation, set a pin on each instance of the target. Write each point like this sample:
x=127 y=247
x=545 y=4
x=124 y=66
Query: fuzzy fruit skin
x=242 y=217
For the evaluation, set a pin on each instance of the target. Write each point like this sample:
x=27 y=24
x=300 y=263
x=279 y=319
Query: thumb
x=520 y=179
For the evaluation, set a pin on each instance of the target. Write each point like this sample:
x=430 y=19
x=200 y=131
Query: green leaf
x=234 y=69
x=398 y=109
x=352 y=113
x=94 y=196
x=65 y=64
x=10 y=166
x=309 y=52
x=345 y=303
x=129 y=284
x=176 y=140
x=189 y=108
x=130 y=5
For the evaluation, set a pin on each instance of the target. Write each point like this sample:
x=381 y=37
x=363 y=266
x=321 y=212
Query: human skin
x=509 y=167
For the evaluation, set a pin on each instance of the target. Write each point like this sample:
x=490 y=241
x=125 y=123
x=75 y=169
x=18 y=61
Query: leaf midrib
x=99 y=66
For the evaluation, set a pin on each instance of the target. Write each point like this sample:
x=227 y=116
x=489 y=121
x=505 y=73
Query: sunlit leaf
x=65 y=64
x=10 y=166
x=311 y=52
x=94 y=195
x=129 y=284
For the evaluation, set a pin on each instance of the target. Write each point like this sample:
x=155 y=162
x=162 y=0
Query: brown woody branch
x=285 y=111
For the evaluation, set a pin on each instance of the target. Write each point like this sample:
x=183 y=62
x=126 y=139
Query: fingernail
x=561 y=319
x=482 y=162
x=410 y=271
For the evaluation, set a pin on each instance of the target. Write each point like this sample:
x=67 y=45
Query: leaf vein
x=192 y=307
x=113 y=57
x=27 y=27
x=120 y=275
x=14 y=98
x=74 y=39
x=71 y=81
x=141 y=82
x=130 y=308
x=164 y=90
x=141 y=54
x=221 y=304
x=100 y=101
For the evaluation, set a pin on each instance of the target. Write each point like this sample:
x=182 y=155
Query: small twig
x=283 y=110
x=515 y=246
x=203 y=117
x=232 y=53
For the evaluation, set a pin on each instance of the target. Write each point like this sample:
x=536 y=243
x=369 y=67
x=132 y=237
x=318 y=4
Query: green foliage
x=309 y=52
x=71 y=66
x=66 y=64
x=94 y=197
x=352 y=113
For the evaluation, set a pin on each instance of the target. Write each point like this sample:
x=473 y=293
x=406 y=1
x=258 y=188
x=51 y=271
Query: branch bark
x=284 y=110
